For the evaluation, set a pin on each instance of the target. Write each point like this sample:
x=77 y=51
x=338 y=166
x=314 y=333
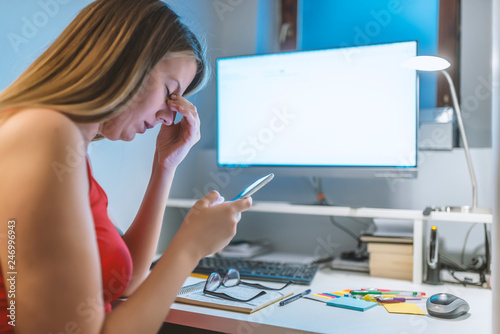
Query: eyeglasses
x=232 y=278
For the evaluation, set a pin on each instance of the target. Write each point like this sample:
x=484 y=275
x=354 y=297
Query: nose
x=165 y=115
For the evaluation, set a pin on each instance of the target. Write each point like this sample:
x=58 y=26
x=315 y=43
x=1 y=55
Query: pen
x=390 y=300
x=388 y=292
x=362 y=293
x=408 y=293
x=199 y=275
x=291 y=299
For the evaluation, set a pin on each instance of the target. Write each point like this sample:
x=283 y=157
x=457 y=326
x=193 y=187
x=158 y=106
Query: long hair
x=101 y=60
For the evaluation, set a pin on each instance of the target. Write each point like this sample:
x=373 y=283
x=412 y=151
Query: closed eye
x=167 y=94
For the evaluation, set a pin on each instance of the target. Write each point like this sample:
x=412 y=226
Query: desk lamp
x=431 y=63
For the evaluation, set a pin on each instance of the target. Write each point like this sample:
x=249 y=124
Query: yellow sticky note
x=404 y=308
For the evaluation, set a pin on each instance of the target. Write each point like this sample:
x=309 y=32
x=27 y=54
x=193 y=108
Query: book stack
x=390 y=253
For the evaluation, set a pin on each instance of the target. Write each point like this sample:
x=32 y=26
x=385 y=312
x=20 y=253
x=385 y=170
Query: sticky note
x=404 y=308
x=318 y=298
x=343 y=292
x=333 y=294
x=351 y=303
x=322 y=295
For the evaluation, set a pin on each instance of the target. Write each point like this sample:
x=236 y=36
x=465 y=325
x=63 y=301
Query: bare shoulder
x=44 y=125
x=41 y=137
x=44 y=139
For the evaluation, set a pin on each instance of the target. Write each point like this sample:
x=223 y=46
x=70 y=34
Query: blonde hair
x=101 y=60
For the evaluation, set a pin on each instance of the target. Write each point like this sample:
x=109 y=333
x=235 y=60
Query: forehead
x=176 y=68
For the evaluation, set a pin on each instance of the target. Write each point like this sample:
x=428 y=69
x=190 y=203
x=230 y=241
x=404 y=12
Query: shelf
x=338 y=211
x=415 y=215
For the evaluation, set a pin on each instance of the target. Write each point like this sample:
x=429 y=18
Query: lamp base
x=467 y=209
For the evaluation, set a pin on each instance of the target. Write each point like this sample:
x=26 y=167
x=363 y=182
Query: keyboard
x=299 y=273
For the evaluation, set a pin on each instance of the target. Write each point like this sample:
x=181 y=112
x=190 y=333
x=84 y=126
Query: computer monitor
x=350 y=111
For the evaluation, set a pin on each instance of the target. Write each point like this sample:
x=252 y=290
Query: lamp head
x=427 y=63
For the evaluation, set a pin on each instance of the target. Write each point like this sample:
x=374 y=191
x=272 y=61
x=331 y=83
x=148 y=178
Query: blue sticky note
x=352 y=303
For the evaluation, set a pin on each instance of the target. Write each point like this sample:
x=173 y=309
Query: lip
x=146 y=127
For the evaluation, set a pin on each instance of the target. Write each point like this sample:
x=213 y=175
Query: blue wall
x=27 y=28
x=334 y=23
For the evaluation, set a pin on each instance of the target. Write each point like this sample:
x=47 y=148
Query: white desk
x=309 y=316
x=415 y=215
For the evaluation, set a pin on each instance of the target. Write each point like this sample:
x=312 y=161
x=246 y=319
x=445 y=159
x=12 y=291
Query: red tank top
x=116 y=262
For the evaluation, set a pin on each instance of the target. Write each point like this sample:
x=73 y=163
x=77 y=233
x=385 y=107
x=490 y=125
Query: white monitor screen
x=354 y=106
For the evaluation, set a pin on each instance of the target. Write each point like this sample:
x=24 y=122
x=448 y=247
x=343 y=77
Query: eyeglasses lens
x=232 y=278
x=213 y=282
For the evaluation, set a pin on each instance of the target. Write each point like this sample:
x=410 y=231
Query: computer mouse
x=446 y=305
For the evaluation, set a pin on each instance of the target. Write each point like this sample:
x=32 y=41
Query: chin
x=119 y=136
x=127 y=137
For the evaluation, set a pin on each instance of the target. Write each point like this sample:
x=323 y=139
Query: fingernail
x=173 y=96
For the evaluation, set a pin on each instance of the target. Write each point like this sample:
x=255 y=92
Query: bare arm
x=142 y=236
x=172 y=145
x=191 y=243
x=58 y=262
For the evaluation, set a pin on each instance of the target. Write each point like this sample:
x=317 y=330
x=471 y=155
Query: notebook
x=193 y=294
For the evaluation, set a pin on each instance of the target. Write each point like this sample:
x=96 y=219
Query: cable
x=343 y=228
x=465 y=243
x=466 y=281
x=317 y=186
x=487 y=248
x=452 y=261
x=452 y=266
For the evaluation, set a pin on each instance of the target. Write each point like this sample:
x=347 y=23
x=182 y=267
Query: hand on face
x=175 y=141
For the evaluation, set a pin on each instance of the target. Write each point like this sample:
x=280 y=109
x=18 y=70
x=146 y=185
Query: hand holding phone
x=252 y=189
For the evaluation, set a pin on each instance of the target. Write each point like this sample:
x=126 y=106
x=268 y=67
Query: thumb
x=211 y=198
x=242 y=204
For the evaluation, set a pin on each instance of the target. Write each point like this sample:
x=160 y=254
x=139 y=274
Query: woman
x=118 y=69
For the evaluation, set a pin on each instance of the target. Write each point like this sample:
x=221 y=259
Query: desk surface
x=309 y=316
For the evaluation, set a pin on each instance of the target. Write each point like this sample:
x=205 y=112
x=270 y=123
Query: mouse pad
x=404 y=308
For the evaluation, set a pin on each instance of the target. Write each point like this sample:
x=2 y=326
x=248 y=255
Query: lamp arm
x=464 y=137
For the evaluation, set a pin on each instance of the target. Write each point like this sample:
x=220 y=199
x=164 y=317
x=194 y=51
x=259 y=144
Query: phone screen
x=250 y=190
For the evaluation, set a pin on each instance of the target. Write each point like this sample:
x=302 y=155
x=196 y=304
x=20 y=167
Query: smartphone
x=252 y=189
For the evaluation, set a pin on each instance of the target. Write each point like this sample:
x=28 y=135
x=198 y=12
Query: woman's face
x=149 y=107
